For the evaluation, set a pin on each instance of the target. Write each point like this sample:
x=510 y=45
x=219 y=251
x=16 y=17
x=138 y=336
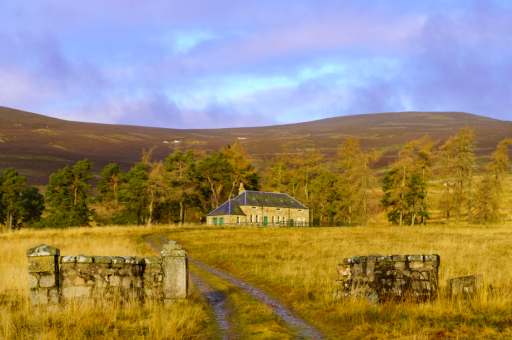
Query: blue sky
x=225 y=63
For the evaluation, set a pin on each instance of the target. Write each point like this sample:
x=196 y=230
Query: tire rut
x=298 y=327
x=223 y=312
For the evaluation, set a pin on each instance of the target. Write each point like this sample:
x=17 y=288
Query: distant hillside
x=38 y=145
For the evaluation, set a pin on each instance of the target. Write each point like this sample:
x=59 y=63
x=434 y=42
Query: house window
x=278 y=219
x=278 y=209
x=257 y=218
x=300 y=210
x=251 y=218
x=254 y=207
x=284 y=219
x=238 y=220
x=273 y=219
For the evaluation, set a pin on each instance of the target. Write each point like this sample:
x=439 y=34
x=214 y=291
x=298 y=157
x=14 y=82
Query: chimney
x=242 y=189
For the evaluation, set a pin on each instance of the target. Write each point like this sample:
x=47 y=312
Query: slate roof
x=257 y=198
x=268 y=199
x=228 y=208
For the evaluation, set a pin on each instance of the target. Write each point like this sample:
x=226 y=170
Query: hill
x=38 y=145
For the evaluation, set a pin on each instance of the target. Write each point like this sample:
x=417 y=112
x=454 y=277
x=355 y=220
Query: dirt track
x=224 y=312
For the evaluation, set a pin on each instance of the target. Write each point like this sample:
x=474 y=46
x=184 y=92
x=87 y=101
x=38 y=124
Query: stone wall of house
x=107 y=278
x=275 y=216
x=394 y=276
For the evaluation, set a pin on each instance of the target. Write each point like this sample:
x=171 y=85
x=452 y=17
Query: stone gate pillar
x=175 y=267
x=43 y=268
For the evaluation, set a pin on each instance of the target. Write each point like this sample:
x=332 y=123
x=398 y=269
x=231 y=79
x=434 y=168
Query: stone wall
x=107 y=278
x=275 y=216
x=379 y=277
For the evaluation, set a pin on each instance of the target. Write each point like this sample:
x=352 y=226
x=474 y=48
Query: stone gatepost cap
x=172 y=245
x=43 y=250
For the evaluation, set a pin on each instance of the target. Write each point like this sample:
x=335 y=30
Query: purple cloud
x=222 y=63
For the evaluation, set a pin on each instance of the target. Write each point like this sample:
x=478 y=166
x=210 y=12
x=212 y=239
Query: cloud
x=225 y=63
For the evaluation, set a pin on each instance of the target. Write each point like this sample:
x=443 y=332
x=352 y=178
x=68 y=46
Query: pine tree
x=185 y=188
x=12 y=198
x=215 y=171
x=67 y=197
x=134 y=196
x=34 y=206
x=490 y=190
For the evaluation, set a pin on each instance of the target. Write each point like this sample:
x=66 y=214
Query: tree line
x=341 y=189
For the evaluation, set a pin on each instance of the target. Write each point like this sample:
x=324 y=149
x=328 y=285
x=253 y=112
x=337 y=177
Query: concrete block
x=32 y=281
x=127 y=282
x=416 y=265
x=172 y=245
x=466 y=285
x=153 y=262
x=39 y=297
x=343 y=270
x=68 y=259
x=115 y=281
x=43 y=250
x=175 y=277
x=76 y=292
x=117 y=260
x=102 y=259
x=415 y=258
x=83 y=259
x=384 y=258
x=53 y=296
x=173 y=253
x=78 y=281
x=42 y=264
x=48 y=281
x=399 y=258
x=434 y=258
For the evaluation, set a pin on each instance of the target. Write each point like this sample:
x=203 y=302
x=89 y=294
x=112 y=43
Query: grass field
x=299 y=264
x=296 y=264
x=187 y=320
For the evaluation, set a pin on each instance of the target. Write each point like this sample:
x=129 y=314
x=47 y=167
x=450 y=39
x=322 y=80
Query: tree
x=13 y=200
x=241 y=168
x=277 y=177
x=134 y=196
x=490 y=190
x=327 y=192
x=458 y=151
x=67 y=196
x=215 y=170
x=112 y=178
x=405 y=185
x=425 y=158
x=185 y=188
x=358 y=177
x=446 y=202
x=34 y=206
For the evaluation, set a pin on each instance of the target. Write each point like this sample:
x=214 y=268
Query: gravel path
x=299 y=328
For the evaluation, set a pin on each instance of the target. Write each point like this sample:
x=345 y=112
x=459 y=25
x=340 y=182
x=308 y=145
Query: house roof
x=228 y=208
x=268 y=199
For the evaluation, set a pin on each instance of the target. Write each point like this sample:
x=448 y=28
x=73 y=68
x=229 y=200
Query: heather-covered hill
x=38 y=145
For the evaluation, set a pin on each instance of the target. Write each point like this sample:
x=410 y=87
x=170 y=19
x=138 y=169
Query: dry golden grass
x=186 y=320
x=299 y=265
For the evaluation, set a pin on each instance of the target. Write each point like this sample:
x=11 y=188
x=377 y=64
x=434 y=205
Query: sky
x=227 y=63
